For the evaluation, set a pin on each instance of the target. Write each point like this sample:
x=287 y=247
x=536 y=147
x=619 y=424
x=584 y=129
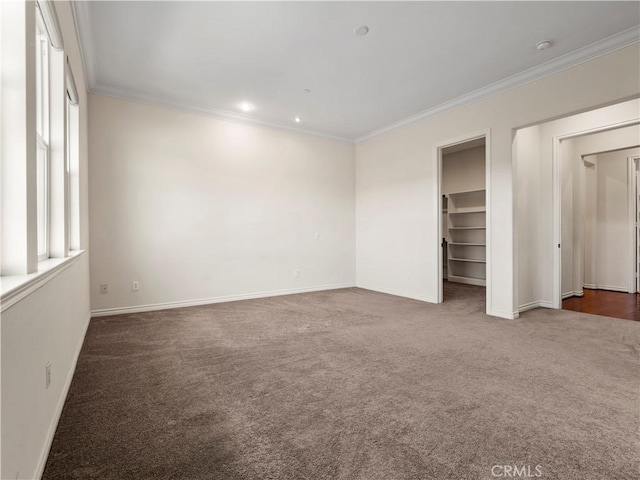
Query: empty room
x=319 y=240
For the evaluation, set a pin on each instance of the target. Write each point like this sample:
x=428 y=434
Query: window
x=42 y=130
x=40 y=181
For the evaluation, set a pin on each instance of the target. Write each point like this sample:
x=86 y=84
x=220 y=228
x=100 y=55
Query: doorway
x=611 y=243
x=464 y=218
x=595 y=214
x=596 y=211
x=543 y=187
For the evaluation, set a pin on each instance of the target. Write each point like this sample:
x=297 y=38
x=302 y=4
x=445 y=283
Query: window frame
x=72 y=167
x=43 y=122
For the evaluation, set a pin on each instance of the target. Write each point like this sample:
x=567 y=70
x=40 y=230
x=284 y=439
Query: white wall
x=46 y=326
x=463 y=171
x=534 y=218
x=613 y=262
x=199 y=209
x=526 y=151
x=396 y=200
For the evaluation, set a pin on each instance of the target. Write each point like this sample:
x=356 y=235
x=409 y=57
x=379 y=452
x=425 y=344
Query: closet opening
x=463 y=222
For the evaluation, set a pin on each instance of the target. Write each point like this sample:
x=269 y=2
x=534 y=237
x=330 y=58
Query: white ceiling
x=210 y=56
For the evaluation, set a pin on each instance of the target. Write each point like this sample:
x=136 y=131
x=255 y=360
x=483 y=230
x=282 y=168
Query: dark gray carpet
x=351 y=384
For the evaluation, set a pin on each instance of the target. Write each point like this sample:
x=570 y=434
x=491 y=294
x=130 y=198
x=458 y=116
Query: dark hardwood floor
x=607 y=303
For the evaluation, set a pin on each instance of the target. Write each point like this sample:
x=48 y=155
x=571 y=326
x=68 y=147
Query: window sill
x=14 y=288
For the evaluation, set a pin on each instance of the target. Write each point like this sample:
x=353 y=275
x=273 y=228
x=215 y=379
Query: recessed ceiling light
x=306 y=90
x=361 y=31
x=544 y=45
x=298 y=119
x=245 y=107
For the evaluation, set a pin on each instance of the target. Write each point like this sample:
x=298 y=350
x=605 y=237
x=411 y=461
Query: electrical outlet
x=135 y=286
x=48 y=374
x=317 y=236
x=296 y=273
x=104 y=288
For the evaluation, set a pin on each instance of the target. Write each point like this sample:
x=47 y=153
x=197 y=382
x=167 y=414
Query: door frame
x=557 y=205
x=437 y=154
x=633 y=209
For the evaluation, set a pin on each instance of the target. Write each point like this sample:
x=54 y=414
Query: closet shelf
x=468 y=212
x=468 y=244
x=467 y=228
x=468 y=192
x=472 y=260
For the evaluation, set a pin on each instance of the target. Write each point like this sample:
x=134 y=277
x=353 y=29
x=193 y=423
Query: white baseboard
x=501 y=314
x=606 y=287
x=207 y=301
x=397 y=293
x=532 y=305
x=572 y=294
x=58 y=412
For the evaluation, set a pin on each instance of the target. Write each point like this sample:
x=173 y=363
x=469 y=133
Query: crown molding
x=82 y=19
x=84 y=32
x=564 y=62
x=610 y=44
x=223 y=115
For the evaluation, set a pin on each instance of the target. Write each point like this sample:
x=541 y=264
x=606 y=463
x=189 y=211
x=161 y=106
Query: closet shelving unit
x=466 y=242
x=445 y=242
